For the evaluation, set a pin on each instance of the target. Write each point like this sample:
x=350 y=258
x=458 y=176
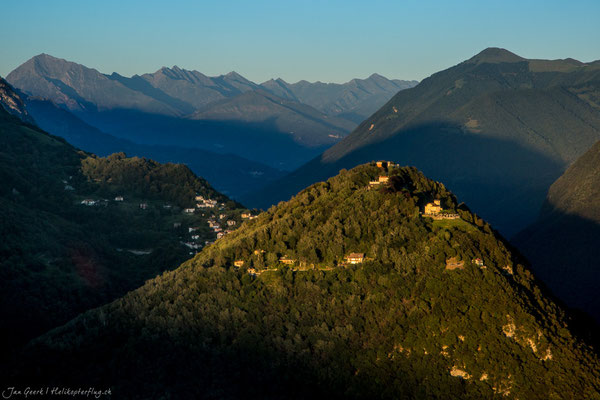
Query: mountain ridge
x=475 y=111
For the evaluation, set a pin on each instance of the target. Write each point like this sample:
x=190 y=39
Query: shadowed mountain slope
x=229 y=174
x=302 y=122
x=564 y=243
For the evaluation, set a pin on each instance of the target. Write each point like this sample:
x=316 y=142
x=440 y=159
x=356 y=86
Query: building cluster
x=434 y=210
x=216 y=227
x=205 y=203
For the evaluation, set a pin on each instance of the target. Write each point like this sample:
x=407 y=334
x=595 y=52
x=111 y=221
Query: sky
x=328 y=41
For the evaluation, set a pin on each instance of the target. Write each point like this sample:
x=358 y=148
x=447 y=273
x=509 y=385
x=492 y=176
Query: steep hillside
x=354 y=100
x=78 y=230
x=304 y=123
x=564 y=243
x=284 y=307
x=235 y=176
x=497 y=129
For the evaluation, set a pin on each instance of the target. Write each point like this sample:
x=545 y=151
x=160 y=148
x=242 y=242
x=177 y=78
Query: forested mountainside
x=79 y=230
x=497 y=129
x=345 y=291
x=564 y=243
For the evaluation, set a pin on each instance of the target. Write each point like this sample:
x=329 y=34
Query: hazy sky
x=330 y=41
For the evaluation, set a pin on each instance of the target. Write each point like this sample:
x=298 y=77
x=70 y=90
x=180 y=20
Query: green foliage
x=58 y=257
x=147 y=179
x=394 y=326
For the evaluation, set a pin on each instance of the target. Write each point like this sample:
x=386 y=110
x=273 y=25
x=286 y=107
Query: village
x=221 y=222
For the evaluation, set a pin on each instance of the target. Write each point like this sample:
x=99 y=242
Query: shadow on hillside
x=228 y=173
x=261 y=142
x=565 y=253
x=500 y=180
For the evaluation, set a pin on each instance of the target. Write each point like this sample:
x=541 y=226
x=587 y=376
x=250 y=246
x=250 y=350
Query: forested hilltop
x=346 y=290
x=78 y=230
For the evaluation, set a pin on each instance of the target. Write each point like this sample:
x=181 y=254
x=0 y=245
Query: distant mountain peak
x=495 y=55
x=234 y=75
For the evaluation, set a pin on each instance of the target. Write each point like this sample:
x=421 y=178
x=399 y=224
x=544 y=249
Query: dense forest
x=275 y=310
x=59 y=256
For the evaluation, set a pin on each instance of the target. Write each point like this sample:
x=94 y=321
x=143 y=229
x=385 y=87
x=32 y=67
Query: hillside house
x=258 y=252
x=143 y=206
x=231 y=222
x=381 y=180
x=246 y=215
x=453 y=263
x=220 y=235
x=478 y=262
x=89 y=202
x=221 y=216
x=119 y=198
x=433 y=208
x=190 y=230
x=195 y=237
x=189 y=210
x=381 y=164
x=238 y=263
x=355 y=258
x=286 y=260
x=199 y=198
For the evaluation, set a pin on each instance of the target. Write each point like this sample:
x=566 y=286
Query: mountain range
x=345 y=291
x=176 y=107
x=498 y=129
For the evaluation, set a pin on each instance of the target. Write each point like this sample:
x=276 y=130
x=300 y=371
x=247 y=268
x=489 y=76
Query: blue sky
x=330 y=41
